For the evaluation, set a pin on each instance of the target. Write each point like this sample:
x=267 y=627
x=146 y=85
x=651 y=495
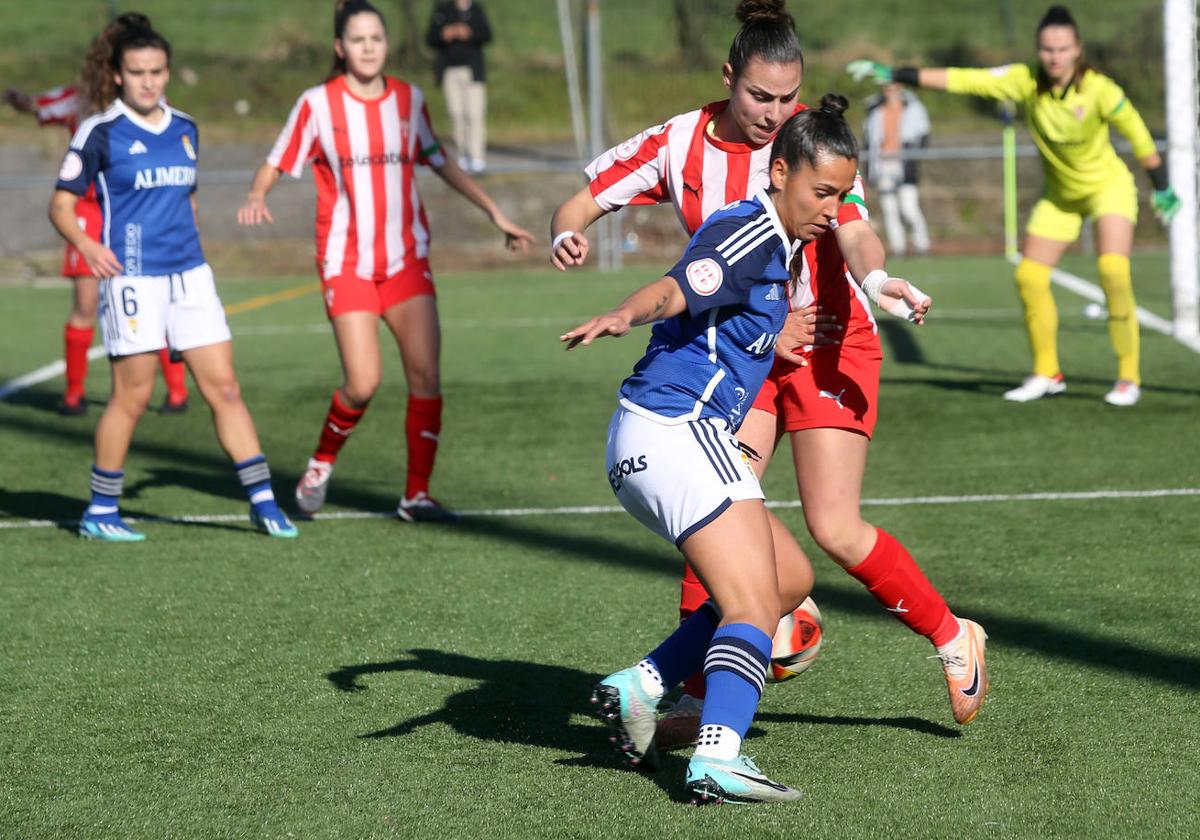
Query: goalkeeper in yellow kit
x=1068 y=108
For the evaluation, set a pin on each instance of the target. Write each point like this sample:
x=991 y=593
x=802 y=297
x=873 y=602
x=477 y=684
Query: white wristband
x=558 y=240
x=872 y=284
x=901 y=309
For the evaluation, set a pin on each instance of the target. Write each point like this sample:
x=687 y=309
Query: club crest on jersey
x=188 y=148
x=72 y=166
x=1079 y=112
x=704 y=276
x=629 y=148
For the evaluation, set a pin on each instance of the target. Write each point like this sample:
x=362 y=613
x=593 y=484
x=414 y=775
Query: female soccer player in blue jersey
x=675 y=465
x=156 y=289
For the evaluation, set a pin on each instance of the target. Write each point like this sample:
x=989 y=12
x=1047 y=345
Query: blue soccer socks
x=735 y=671
x=682 y=653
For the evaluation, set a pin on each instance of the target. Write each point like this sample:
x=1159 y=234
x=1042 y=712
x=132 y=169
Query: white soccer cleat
x=1035 y=387
x=1124 y=393
x=313 y=485
x=678 y=727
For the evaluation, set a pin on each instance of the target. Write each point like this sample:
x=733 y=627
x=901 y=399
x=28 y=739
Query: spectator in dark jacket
x=458 y=31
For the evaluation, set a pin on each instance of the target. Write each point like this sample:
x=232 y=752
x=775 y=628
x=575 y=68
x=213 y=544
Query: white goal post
x=1183 y=134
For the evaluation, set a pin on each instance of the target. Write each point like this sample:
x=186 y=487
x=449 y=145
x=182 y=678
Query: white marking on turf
x=593 y=510
x=36 y=377
x=1091 y=291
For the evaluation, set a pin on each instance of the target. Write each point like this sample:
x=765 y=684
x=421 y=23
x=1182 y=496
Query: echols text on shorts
x=629 y=466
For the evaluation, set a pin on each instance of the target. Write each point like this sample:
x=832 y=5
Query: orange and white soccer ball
x=797 y=642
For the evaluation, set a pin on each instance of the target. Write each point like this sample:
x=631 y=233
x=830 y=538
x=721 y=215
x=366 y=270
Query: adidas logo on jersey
x=774 y=293
x=138 y=148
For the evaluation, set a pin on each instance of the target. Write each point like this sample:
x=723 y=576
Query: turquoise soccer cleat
x=711 y=781
x=629 y=712
x=268 y=518
x=107 y=527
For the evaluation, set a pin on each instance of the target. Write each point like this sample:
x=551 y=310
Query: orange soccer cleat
x=966 y=671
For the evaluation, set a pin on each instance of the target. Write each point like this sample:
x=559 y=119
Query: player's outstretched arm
x=575 y=215
x=254 y=210
x=102 y=262
x=516 y=238
x=864 y=69
x=653 y=302
x=20 y=100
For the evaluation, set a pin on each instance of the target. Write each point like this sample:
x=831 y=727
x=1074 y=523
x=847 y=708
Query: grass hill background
x=267 y=51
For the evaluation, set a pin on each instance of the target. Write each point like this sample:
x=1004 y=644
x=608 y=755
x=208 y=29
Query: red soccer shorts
x=838 y=389
x=90 y=219
x=349 y=293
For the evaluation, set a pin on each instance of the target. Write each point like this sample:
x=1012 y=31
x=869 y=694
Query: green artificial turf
x=377 y=679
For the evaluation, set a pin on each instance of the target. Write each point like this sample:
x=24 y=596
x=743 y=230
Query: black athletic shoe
x=169 y=407
x=78 y=408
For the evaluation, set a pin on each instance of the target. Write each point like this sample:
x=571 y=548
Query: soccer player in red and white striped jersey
x=66 y=105
x=364 y=133
x=823 y=390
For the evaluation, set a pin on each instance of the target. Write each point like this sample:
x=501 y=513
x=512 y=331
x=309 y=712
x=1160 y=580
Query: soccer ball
x=797 y=642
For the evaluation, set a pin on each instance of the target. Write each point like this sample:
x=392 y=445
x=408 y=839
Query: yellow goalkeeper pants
x=1041 y=316
x=1117 y=282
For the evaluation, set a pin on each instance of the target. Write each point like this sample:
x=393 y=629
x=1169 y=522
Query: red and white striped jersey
x=822 y=277
x=681 y=162
x=370 y=221
x=58 y=106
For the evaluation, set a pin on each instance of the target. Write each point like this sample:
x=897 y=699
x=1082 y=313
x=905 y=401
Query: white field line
x=35 y=377
x=594 y=510
x=1091 y=291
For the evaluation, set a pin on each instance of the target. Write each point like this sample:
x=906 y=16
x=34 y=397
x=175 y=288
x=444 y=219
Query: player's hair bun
x=763 y=11
x=834 y=103
x=1057 y=16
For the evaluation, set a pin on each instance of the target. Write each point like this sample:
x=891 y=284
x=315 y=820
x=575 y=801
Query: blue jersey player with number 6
x=156 y=290
x=675 y=465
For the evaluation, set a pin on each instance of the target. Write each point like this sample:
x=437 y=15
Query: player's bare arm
x=653 y=302
x=516 y=238
x=102 y=262
x=568 y=245
x=254 y=210
x=866 y=260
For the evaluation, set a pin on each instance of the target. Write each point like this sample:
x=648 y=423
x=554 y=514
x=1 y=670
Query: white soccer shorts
x=144 y=314
x=675 y=479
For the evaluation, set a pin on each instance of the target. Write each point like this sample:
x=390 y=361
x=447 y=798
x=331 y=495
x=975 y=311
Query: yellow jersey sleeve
x=1014 y=82
x=1115 y=108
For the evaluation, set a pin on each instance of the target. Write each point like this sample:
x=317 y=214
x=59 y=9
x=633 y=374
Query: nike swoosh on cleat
x=760 y=780
x=974 y=687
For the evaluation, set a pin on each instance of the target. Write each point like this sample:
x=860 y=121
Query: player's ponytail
x=1061 y=16
x=343 y=10
x=816 y=133
x=97 y=88
x=768 y=33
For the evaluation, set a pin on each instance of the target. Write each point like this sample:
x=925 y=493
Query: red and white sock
x=893 y=577
x=175 y=375
x=340 y=421
x=422 y=428
x=692 y=596
x=76 y=342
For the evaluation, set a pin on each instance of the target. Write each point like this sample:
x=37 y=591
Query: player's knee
x=424 y=381
x=1032 y=277
x=225 y=392
x=836 y=537
x=359 y=390
x=1115 y=276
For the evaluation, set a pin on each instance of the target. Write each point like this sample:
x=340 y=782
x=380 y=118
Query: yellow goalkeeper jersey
x=1070 y=126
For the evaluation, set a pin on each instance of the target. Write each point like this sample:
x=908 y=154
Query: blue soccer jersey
x=711 y=360
x=145 y=175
